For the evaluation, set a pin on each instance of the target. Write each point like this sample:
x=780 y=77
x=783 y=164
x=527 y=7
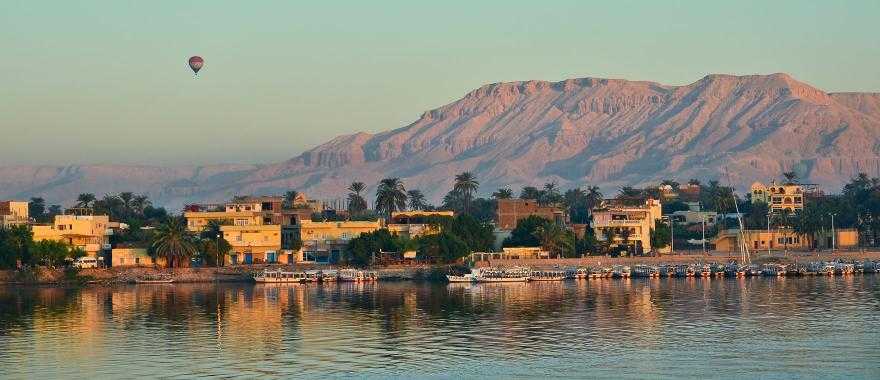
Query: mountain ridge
x=597 y=131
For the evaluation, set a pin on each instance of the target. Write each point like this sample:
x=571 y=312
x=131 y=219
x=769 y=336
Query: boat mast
x=745 y=257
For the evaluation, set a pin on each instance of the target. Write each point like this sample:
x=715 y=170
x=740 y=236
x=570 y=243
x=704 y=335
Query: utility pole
x=704 y=234
x=769 y=236
x=671 y=236
x=833 y=235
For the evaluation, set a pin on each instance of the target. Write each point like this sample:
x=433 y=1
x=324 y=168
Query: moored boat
x=547 y=275
x=280 y=276
x=514 y=274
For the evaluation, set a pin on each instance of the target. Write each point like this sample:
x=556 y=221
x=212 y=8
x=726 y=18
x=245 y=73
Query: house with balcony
x=627 y=226
x=91 y=233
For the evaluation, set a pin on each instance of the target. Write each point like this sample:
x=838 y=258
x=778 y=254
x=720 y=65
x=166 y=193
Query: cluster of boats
x=329 y=275
x=732 y=269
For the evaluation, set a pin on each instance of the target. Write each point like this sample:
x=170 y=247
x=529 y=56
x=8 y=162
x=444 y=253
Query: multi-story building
x=779 y=197
x=511 y=211
x=13 y=213
x=89 y=232
x=628 y=225
x=254 y=244
x=324 y=242
x=784 y=239
x=413 y=224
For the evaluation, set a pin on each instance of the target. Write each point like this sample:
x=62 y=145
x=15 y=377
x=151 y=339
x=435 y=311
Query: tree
x=503 y=193
x=594 y=198
x=37 y=209
x=529 y=192
x=694 y=182
x=443 y=248
x=85 y=200
x=550 y=194
x=466 y=186
x=15 y=244
x=668 y=182
x=554 y=239
x=790 y=177
x=172 y=240
x=289 y=199
x=416 y=200
x=126 y=202
x=575 y=201
x=213 y=244
x=390 y=196
x=356 y=203
x=523 y=235
x=361 y=250
x=54 y=253
x=660 y=235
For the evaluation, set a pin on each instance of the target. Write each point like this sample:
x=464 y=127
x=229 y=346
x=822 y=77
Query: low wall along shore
x=243 y=273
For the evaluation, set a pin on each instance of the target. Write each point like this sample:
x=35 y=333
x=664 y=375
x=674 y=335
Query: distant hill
x=605 y=132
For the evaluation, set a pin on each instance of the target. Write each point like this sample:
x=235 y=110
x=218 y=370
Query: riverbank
x=110 y=276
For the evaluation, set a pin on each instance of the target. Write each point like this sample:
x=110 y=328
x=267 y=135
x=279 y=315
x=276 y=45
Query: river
x=637 y=328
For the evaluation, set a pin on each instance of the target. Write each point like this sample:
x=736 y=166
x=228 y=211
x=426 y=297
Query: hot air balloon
x=195 y=63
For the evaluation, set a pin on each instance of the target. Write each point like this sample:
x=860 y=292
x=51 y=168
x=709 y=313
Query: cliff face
x=581 y=131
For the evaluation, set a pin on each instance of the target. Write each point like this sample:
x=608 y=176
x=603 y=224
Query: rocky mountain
x=604 y=132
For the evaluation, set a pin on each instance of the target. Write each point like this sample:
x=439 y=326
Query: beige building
x=618 y=219
x=89 y=232
x=413 y=224
x=325 y=241
x=784 y=239
x=779 y=197
x=134 y=257
x=254 y=244
x=13 y=213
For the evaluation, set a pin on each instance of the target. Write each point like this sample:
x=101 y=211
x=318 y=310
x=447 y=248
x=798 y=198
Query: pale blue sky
x=107 y=82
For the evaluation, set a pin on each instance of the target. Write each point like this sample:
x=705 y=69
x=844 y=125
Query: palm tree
x=356 y=203
x=390 y=196
x=140 y=203
x=503 y=193
x=85 y=200
x=594 y=197
x=790 y=177
x=416 y=200
x=173 y=241
x=466 y=186
x=694 y=182
x=289 y=199
x=553 y=238
x=126 y=199
x=530 y=192
x=550 y=194
x=213 y=241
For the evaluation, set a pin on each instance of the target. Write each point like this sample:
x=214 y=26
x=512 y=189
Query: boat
x=706 y=271
x=667 y=271
x=514 y=274
x=329 y=275
x=640 y=271
x=466 y=277
x=596 y=273
x=621 y=271
x=828 y=269
x=280 y=276
x=581 y=273
x=754 y=270
x=356 y=275
x=777 y=270
x=718 y=270
x=547 y=275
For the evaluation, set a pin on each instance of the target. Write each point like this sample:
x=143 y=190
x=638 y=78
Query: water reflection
x=610 y=328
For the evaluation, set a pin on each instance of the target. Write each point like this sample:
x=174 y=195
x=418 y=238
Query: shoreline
x=239 y=274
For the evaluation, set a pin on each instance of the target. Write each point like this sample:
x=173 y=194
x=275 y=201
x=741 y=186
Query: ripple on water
x=768 y=328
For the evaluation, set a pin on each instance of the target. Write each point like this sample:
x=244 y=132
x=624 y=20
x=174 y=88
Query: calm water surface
x=747 y=328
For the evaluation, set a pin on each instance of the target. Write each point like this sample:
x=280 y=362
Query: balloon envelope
x=195 y=63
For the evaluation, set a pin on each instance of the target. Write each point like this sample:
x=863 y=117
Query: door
x=234 y=259
x=248 y=258
x=271 y=257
